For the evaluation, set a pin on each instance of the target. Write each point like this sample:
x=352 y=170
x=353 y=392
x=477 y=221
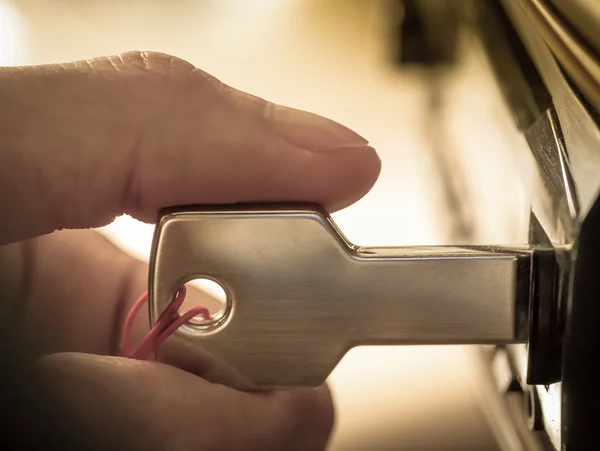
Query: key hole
x=209 y=294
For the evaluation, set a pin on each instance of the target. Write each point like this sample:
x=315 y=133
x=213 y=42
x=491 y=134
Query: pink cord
x=168 y=322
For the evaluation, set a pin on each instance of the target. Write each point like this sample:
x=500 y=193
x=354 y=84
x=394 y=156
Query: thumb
x=117 y=403
x=86 y=141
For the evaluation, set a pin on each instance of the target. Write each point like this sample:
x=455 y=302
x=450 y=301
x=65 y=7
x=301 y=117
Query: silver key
x=300 y=295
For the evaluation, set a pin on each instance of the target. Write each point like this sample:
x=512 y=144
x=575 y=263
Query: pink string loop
x=169 y=321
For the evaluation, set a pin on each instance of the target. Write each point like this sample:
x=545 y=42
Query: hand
x=82 y=143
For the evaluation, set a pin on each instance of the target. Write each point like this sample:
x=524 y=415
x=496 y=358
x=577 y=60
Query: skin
x=84 y=142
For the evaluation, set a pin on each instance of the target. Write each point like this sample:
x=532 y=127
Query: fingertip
x=351 y=177
x=315 y=412
x=295 y=419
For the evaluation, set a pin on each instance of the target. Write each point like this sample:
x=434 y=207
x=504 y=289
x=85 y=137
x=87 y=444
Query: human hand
x=82 y=143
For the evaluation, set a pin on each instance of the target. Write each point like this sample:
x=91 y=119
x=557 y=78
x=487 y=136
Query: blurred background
x=435 y=117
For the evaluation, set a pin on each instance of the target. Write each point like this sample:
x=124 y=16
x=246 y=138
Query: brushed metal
x=300 y=295
x=575 y=54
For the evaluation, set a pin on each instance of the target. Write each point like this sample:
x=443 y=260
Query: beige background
x=330 y=57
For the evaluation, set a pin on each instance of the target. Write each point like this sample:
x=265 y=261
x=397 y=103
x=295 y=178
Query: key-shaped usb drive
x=300 y=295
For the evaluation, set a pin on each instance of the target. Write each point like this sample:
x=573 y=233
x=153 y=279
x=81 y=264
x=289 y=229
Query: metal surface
x=555 y=209
x=578 y=59
x=554 y=111
x=583 y=16
x=493 y=384
x=300 y=295
x=580 y=132
x=555 y=201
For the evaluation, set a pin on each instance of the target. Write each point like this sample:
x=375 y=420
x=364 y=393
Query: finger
x=87 y=141
x=80 y=287
x=145 y=405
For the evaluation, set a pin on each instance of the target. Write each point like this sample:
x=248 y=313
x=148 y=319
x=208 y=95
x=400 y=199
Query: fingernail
x=312 y=131
x=352 y=149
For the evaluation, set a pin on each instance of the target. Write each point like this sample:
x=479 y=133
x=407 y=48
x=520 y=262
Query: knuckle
x=213 y=84
x=162 y=67
x=156 y=62
x=267 y=109
x=176 y=72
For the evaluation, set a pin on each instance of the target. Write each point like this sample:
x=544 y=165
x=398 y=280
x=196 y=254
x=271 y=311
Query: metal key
x=300 y=295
